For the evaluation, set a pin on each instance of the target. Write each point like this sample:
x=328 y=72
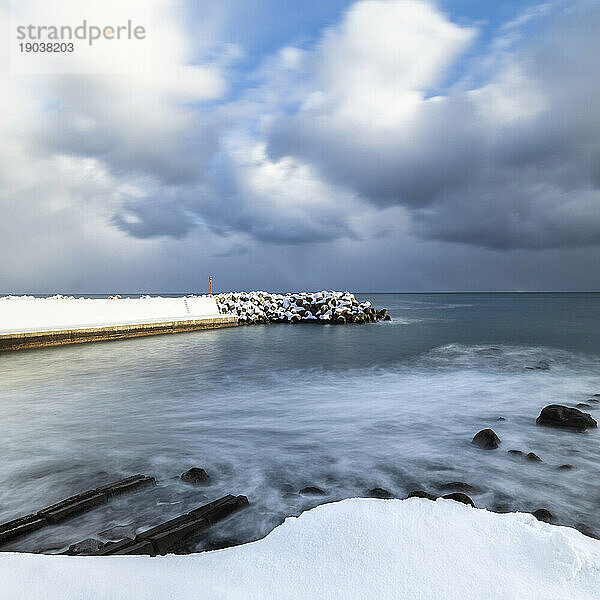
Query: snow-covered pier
x=30 y=322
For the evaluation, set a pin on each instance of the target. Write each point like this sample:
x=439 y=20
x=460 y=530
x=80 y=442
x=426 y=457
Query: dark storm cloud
x=513 y=164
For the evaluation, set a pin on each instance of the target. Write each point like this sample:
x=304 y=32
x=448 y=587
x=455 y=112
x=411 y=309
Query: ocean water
x=268 y=410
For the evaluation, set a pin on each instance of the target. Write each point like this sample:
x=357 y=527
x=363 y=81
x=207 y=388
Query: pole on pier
x=210 y=286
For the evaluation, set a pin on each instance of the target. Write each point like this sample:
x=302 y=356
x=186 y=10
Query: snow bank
x=352 y=549
x=20 y=314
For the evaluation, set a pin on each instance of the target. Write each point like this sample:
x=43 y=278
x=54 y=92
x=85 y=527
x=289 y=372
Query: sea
x=269 y=410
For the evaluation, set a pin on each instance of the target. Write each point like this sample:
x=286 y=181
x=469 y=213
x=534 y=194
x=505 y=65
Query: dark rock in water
x=583 y=528
x=387 y=318
x=459 y=486
x=114 y=534
x=500 y=419
x=459 y=497
x=312 y=491
x=486 y=439
x=380 y=493
x=594 y=400
x=566 y=467
x=223 y=543
x=540 y=365
x=556 y=415
x=533 y=457
x=583 y=405
x=422 y=494
x=196 y=476
x=541 y=514
x=88 y=546
x=515 y=452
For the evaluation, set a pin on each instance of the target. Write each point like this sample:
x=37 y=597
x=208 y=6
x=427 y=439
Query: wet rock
x=583 y=405
x=84 y=547
x=500 y=419
x=583 y=528
x=541 y=514
x=459 y=497
x=380 y=493
x=114 y=534
x=486 y=439
x=556 y=415
x=566 y=467
x=529 y=456
x=421 y=494
x=312 y=491
x=594 y=400
x=459 y=486
x=196 y=476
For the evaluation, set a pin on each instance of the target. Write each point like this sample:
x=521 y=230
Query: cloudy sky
x=376 y=145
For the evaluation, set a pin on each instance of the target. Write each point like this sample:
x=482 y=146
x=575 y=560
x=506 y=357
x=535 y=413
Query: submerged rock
x=459 y=497
x=380 y=493
x=119 y=532
x=196 y=476
x=515 y=452
x=312 y=491
x=88 y=546
x=556 y=415
x=533 y=457
x=583 y=405
x=486 y=439
x=542 y=514
x=458 y=486
x=566 y=467
x=540 y=365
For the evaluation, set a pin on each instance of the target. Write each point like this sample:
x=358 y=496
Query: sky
x=376 y=145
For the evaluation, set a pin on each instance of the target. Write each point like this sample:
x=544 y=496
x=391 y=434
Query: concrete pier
x=60 y=337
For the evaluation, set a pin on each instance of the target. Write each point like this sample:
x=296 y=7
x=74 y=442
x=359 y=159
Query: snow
x=20 y=314
x=359 y=548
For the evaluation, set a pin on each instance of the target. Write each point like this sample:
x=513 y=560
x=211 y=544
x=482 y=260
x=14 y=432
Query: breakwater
x=302 y=307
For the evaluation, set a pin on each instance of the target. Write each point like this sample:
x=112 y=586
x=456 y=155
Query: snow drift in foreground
x=351 y=549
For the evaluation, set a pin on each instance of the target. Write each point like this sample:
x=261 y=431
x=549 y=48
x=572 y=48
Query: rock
x=312 y=491
x=566 y=467
x=583 y=405
x=556 y=415
x=114 y=534
x=459 y=497
x=530 y=456
x=458 y=486
x=387 y=318
x=486 y=439
x=421 y=494
x=533 y=457
x=541 y=514
x=196 y=476
x=87 y=546
x=381 y=493
x=583 y=528
x=594 y=400
x=500 y=419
